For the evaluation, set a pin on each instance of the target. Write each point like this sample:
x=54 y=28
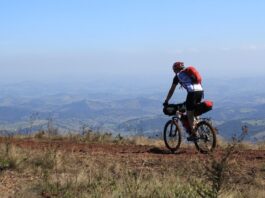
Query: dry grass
x=60 y=174
x=53 y=172
x=261 y=145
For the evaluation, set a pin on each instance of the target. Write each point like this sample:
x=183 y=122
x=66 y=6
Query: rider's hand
x=165 y=103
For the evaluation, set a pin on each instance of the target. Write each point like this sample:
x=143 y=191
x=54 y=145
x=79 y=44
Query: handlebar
x=172 y=109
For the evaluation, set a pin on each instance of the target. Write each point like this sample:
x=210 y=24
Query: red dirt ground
x=128 y=149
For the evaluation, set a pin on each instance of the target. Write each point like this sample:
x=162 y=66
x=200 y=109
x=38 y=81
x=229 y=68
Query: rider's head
x=178 y=66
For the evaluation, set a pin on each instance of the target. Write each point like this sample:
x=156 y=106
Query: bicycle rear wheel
x=206 y=137
x=172 y=135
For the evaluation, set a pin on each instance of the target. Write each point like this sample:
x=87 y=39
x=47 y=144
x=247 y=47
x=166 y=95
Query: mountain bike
x=205 y=140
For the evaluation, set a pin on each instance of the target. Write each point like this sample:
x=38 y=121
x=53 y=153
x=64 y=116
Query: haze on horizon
x=99 y=40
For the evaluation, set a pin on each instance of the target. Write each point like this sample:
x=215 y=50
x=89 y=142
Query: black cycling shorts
x=193 y=98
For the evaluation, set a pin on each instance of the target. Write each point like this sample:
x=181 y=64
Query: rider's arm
x=172 y=89
x=170 y=92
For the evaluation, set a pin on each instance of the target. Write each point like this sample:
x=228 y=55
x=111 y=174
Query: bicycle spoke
x=206 y=140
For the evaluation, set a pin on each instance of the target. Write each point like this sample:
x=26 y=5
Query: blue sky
x=78 y=39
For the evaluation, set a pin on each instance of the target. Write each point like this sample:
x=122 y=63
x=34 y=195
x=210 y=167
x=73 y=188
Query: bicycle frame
x=177 y=118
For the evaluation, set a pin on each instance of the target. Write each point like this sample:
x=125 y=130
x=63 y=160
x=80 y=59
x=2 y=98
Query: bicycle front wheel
x=172 y=136
x=206 y=137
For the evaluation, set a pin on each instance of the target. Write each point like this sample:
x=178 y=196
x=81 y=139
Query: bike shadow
x=157 y=150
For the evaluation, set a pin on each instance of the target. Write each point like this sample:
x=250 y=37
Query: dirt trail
x=128 y=149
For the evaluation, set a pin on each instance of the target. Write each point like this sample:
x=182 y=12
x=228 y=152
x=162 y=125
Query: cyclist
x=194 y=95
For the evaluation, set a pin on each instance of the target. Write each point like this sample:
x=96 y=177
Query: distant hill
x=148 y=126
x=13 y=114
x=134 y=107
x=227 y=113
x=128 y=110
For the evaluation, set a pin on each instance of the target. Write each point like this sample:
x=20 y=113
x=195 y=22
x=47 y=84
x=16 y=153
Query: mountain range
x=30 y=106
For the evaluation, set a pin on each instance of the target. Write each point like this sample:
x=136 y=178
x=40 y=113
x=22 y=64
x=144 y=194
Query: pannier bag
x=201 y=108
x=171 y=109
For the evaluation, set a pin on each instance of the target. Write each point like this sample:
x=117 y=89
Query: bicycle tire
x=204 y=130
x=174 y=144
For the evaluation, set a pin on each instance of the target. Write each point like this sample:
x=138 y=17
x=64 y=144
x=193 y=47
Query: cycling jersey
x=186 y=81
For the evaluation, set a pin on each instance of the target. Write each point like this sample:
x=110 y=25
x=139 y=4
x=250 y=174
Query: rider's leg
x=190 y=115
x=190 y=101
x=193 y=98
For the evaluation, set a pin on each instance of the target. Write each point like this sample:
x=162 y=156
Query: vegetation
x=59 y=169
